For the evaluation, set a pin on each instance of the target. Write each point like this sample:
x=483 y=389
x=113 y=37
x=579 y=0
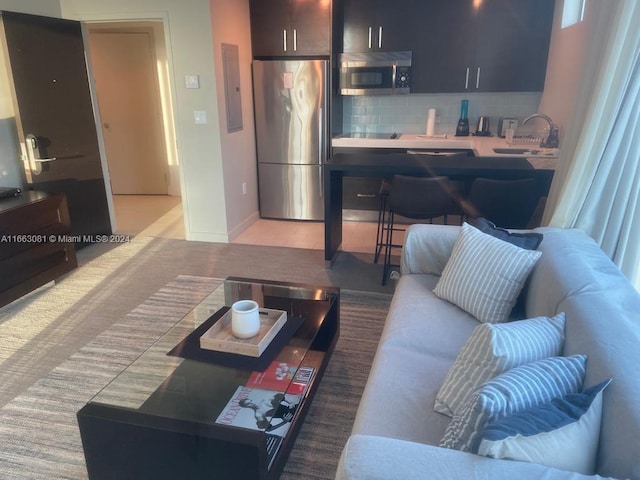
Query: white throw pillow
x=485 y=275
x=563 y=433
x=495 y=348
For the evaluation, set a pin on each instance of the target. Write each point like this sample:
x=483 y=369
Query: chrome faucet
x=552 y=141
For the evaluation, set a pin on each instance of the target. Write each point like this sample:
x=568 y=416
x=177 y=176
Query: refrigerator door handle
x=320 y=136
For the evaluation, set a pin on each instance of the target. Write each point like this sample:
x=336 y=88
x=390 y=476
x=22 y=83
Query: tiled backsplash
x=408 y=113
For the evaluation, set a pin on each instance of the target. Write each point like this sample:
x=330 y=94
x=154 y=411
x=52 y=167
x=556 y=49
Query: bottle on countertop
x=462 y=129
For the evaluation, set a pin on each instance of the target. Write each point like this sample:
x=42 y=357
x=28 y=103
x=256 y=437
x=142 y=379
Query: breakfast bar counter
x=373 y=165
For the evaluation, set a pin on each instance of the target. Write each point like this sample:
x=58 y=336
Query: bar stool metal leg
x=382 y=218
x=387 y=246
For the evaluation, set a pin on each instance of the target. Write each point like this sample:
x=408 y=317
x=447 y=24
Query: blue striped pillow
x=496 y=348
x=484 y=275
x=515 y=390
x=563 y=433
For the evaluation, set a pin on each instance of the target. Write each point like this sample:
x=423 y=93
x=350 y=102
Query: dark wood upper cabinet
x=512 y=45
x=378 y=25
x=443 y=46
x=290 y=27
x=458 y=45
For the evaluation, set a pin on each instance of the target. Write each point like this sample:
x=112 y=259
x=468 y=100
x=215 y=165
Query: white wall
x=567 y=53
x=11 y=174
x=230 y=23
x=190 y=49
x=570 y=50
x=50 y=8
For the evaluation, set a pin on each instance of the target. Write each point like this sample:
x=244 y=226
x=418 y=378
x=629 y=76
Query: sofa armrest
x=367 y=457
x=427 y=248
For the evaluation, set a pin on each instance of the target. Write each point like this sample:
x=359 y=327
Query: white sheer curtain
x=598 y=187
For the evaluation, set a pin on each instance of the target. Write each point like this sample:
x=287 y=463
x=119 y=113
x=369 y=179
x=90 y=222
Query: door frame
x=98 y=122
x=173 y=153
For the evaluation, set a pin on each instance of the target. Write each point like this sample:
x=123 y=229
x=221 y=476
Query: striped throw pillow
x=485 y=275
x=495 y=348
x=518 y=389
x=563 y=433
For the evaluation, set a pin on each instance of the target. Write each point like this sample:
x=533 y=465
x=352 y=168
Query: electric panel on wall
x=233 y=100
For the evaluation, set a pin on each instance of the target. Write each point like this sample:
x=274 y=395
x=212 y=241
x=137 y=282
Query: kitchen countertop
x=481 y=146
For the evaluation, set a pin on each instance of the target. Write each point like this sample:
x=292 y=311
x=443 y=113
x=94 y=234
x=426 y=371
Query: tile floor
x=161 y=216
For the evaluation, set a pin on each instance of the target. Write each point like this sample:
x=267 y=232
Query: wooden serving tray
x=220 y=337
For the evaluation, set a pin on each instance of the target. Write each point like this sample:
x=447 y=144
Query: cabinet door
x=379 y=25
x=443 y=46
x=359 y=17
x=513 y=45
x=269 y=21
x=392 y=30
x=310 y=28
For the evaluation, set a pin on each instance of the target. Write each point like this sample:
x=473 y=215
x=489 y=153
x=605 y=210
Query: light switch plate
x=192 y=81
x=200 y=116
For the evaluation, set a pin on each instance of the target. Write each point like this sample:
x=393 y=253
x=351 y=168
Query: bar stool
x=420 y=199
x=383 y=195
x=506 y=203
x=385 y=185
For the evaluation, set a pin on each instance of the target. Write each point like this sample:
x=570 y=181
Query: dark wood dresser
x=36 y=246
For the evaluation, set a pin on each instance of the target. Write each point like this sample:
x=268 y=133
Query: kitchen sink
x=517 y=151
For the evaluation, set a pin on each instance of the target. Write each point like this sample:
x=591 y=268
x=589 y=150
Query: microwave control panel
x=403 y=77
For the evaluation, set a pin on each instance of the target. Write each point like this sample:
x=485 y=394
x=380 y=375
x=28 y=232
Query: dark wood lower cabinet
x=35 y=242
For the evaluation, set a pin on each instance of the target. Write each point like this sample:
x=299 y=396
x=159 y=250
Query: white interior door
x=125 y=71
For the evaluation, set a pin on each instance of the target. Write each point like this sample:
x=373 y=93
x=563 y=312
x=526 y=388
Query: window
x=572 y=12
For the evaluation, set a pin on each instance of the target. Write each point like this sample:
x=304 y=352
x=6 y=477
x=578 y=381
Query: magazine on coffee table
x=271 y=411
x=280 y=372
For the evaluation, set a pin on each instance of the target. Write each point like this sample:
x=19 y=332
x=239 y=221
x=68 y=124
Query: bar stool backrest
x=423 y=198
x=507 y=203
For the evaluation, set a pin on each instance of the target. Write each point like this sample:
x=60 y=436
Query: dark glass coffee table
x=167 y=414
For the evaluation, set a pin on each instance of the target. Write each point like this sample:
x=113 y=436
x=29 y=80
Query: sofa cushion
x=367 y=457
x=518 y=389
x=563 y=433
x=528 y=240
x=495 y=348
x=418 y=345
x=426 y=250
x=484 y=275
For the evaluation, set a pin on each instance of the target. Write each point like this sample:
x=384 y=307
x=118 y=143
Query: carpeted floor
x=62 y=344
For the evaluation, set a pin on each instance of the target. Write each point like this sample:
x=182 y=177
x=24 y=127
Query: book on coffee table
x=220 y=336
x=271 y=411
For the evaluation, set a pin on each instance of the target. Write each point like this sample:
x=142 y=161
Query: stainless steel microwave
x=375 y=73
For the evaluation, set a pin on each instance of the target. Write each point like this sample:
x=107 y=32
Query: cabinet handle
x=295 y=40
x=380 y=37
x=394 y=72
x=478 y=78
x=365 y=195
x=369 y=37
x=284 y=40
x=466 y=80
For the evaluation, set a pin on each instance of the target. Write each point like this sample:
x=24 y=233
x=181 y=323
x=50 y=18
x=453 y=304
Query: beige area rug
x=59 y=347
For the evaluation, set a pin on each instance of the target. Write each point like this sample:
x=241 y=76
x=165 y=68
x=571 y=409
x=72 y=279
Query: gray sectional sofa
x=397 y=432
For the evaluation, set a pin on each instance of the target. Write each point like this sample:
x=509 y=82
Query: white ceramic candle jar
x=245 y=319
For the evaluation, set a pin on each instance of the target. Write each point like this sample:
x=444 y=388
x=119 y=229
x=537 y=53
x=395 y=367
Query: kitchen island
x=377 y=163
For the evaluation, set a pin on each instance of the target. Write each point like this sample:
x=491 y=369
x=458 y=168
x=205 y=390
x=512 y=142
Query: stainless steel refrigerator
x=291 y=113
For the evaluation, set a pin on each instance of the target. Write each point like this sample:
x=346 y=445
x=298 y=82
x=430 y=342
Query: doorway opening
x=130 y=70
